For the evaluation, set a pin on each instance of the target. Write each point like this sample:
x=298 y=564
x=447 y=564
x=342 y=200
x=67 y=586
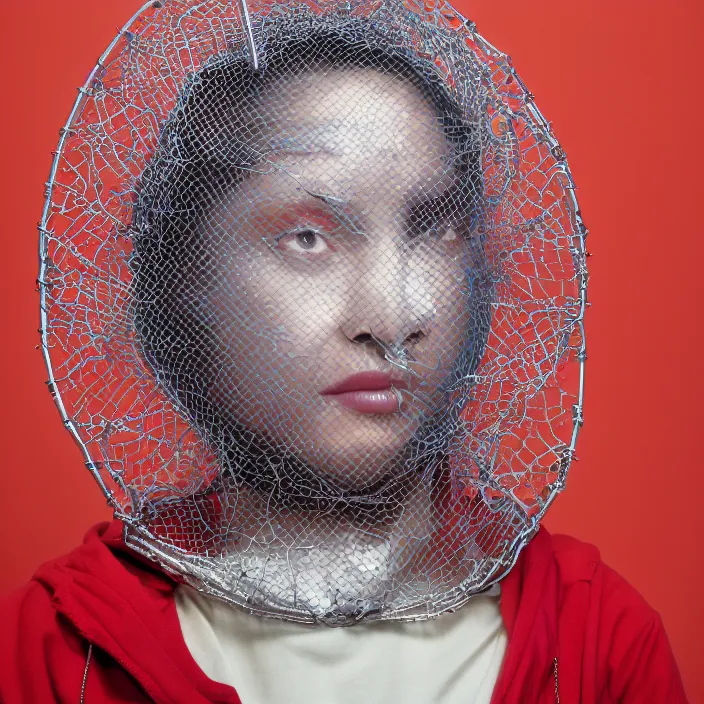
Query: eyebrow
x=340 y=207
x=333 y=201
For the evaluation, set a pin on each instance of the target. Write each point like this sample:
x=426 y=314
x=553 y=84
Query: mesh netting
x=312 y=295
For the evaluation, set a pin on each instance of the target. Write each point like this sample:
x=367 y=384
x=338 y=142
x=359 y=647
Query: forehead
x=352 y=111
x=351 y=133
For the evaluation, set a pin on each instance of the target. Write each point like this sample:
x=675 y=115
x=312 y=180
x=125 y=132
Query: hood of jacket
x=99 y=626
x=123 y=604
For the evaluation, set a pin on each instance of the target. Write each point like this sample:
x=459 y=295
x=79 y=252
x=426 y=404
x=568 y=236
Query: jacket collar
x=123 y=603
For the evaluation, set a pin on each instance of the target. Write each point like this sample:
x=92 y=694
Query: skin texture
x=337 y=249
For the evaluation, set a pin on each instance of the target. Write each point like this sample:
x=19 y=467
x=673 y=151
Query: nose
x=391 y=302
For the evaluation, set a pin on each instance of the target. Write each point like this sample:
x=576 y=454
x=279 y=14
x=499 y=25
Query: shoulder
x=604 y=593
x=28 y=614
x=46 y=627
x=568 y=577
x=580 y=562
x=38 y=648
x=25 y=610
x=622 y=633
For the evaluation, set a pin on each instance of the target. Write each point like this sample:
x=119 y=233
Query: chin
x=358 y=454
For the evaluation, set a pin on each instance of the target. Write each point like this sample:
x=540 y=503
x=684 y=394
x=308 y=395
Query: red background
x=621 y=79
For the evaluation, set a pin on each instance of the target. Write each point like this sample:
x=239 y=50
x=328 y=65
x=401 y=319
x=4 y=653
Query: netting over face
x=317 y=327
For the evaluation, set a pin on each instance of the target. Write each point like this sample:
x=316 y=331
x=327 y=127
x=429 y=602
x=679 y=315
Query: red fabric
x=560 y=604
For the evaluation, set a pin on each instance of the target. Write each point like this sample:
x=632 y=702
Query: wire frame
x=519 y=413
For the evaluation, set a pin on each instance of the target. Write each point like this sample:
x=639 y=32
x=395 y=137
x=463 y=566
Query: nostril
x=415 y=337
x=363 y=339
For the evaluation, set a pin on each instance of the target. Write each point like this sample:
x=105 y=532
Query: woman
x=319 y=358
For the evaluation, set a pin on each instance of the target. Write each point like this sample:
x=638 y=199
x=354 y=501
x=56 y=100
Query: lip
x=364 y=381
x=368 y=392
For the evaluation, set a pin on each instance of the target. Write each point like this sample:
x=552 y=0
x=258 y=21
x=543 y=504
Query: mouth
x=371 y=393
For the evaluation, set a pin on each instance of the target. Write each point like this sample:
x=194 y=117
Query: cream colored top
x=452 y=659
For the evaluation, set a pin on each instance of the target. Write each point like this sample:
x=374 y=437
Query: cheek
x=453 y=305
x=446 y=282
x=278 y=321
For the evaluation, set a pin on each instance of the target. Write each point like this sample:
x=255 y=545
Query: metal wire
x=237 y=232
x=250 y=35
x=85 y=673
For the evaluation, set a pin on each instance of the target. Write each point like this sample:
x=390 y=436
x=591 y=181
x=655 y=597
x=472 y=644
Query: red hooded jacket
x=100 y=625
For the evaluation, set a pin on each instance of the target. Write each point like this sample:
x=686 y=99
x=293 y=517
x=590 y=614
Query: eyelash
x=300 y=231
x=430 y=225
x=419 y=226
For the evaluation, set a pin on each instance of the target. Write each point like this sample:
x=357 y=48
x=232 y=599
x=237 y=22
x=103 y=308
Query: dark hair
x=205 y=149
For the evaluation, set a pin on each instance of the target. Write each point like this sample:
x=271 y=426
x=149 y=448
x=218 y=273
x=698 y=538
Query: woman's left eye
x=305 y=241
x=449 y=235
x=442 y=232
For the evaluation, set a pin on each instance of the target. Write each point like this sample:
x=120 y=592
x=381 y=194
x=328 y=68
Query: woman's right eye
x=306 y=241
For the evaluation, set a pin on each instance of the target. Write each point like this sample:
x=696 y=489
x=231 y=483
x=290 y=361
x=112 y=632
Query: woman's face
x=340 y=297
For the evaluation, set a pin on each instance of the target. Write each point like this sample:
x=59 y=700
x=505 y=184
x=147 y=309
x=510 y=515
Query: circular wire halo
x=525 y=408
